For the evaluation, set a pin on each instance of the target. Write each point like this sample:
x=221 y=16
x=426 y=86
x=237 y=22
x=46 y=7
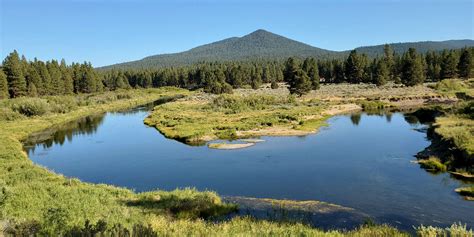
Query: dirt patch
x=229 y=146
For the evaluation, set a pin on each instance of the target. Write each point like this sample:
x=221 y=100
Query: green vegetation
x=459 y=130
x=433 y=164
x=456 y=87
x=453 y=230
x=35 y=201
x=230 y=117
x=37 y=78
x=467 y=192
x=262 y=44
x=55 y=204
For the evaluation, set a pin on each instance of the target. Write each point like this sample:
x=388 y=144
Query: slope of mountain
x=258 y=44
x=262 y=44
x=421 y=47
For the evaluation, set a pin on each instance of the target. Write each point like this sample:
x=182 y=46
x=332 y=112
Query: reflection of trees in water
x=412 y=120
x=61 y=133
x=355 y=118
x=388 y=117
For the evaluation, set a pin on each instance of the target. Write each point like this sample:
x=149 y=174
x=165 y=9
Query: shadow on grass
x=187 y=203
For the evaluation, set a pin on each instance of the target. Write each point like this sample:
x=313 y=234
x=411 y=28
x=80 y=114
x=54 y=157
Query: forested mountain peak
x=262 y=44
x=258 y=44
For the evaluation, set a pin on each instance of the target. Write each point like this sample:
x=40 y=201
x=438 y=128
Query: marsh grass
x=455 y=230
x=224 y=117
x=433 y=164
x=463 y=89
x=459 y=130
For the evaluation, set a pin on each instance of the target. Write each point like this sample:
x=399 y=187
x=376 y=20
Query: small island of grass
x=241 y=116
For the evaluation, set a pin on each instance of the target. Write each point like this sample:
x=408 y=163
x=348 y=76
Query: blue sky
x=106 y=32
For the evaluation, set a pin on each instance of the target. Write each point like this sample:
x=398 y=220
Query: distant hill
x=262 y=44
x=421 y=47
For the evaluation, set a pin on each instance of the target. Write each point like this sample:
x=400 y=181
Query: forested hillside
x=260 y=44
x=264 y=45
x=20 y=77
x=421 y=47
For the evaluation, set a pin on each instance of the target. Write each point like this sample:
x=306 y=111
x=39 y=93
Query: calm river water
x=360 y=161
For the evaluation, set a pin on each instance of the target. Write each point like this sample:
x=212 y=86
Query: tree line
x=20 y=77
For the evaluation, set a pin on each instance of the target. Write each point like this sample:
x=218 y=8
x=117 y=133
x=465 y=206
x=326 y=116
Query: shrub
x=62 y=104
x=448 y=85
x=30 y=106
x=8 y=114
x=453 y=230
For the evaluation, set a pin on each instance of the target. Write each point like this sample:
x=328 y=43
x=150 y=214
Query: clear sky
x=106 y=32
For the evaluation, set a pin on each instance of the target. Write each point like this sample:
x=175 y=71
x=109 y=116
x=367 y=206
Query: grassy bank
x=34 y=200
x=41 y=200
x=452 y=134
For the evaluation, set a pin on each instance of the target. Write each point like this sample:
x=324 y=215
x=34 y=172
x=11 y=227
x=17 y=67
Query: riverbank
x=452 y=134
x=34 y=200
x=265 y=112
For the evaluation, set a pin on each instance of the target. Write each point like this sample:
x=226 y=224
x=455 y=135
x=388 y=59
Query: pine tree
x=291 y=66
x=14 y=72
x=412 y=70
x=300 y=84
x=32 y=91
x=57 y=84
x=389 y=60
x=381 y=73
x=46 y=79
x=354 y=68
x=3 y=85
x=274 y=84
x=338 y=72
x=66 y=78
x=466 y=64
x=311 y=68
x=34 y=78
x=448 y=65
x=256 y=80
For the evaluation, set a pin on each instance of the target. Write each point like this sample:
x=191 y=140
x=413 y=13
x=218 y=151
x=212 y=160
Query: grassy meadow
x=36 y=201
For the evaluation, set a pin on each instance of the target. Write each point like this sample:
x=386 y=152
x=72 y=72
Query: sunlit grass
x=226 y=117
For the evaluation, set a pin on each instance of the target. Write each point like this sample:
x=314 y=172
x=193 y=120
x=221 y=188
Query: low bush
x=62 y=104
x=448 y=85
x=7 y=114
x=454 y=230
x=30 y=106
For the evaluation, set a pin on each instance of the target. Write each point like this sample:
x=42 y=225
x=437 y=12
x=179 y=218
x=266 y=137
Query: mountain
x=421 y=47
x=262 y=44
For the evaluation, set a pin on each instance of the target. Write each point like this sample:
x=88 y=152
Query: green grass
x=466 y=191
x=29 y=193
x=456 y=87
x=231 y=117
x=36 y=201
x=459 y=130
x=433 y=164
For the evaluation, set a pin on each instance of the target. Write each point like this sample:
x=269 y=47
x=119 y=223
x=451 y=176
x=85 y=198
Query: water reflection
x=355 y=118
x=359 y=164
x=58 y=135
